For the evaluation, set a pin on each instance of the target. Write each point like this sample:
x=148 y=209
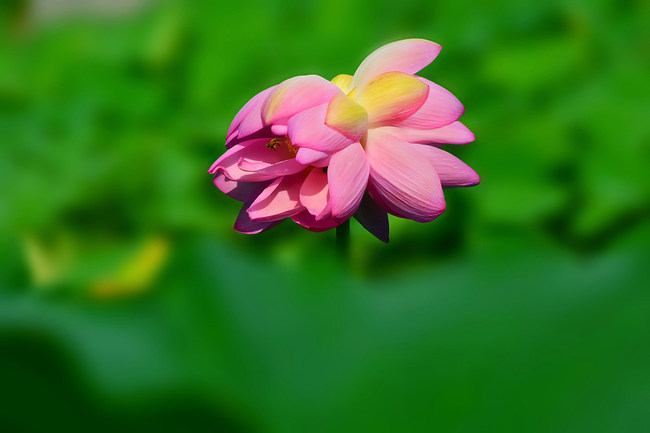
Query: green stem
x=343 y=238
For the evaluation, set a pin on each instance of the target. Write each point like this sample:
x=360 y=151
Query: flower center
x=283 y=144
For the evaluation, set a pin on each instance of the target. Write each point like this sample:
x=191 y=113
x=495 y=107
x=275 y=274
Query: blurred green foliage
x=127 y=301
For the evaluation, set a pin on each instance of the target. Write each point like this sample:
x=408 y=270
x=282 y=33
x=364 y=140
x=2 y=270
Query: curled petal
x=403 y=181
x=230 y=187
x=373 y=218
x=253 y=161
x=347 y=117
x=408 y=56
x=451 y=170
x=308 y=129
x=232 y=155
x=454 y=133
x=347 y=176
x=252 y=110
x=259 y=171
x=392 y=97
x=314 y=192
x=279 y=200
x=295 y=95
x=440 y=108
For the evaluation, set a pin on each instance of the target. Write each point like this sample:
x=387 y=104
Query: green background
x=128 y=302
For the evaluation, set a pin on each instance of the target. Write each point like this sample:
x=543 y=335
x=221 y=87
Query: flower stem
x=343 y=238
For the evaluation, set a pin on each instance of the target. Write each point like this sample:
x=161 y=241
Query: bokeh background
x=128 y=302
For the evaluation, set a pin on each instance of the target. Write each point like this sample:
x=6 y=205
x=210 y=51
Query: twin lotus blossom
x=320 y=152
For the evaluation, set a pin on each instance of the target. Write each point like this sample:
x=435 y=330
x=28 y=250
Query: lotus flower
x=319 y=151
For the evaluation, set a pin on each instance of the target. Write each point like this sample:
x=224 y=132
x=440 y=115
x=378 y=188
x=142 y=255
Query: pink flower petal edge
x=408 y=56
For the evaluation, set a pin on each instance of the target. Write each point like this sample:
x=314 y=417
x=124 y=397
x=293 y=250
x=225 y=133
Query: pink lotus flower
x=366 y=145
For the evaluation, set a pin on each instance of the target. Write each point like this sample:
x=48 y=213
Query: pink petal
x=440 y=109
x=253 y=165
x=232 y=136
x=322 y=162
x=454 y=133
x=253 y=161
x=314 y=192
x=259 y=171
x=326 y=213
x=308 y=129
x=308 y=221
x=279 y=200
x=392 y=97
x=265 y=132
x=232 y=155
x=243 y=224
x=308 y=156
x=402 y=178
x=451 y=170
x=347 y=176
x=373 y=218
x=255 y=103
x=260 y=152
x=279 y=129
x=408 y=56
x=242 y=191
x=295 y=95
x=253 y=121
